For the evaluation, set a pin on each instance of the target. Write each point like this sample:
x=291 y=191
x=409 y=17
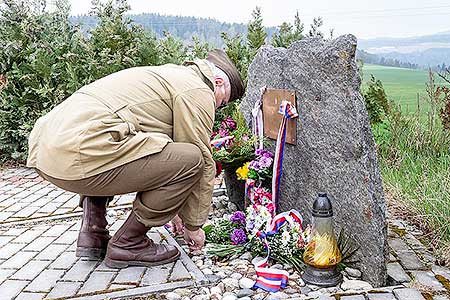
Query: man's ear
x=219 y=81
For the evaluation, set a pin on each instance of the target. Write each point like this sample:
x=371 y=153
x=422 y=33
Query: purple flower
x=265 y=161
x=238 y=217
x=238 y=237
x=229 y=123
x=223 y=132
x=255 y=165
x=262 y=152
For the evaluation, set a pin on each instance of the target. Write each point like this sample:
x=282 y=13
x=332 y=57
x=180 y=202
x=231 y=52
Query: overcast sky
x=365 y=19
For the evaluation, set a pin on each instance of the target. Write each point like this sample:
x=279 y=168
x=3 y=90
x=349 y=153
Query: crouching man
x=144 y=130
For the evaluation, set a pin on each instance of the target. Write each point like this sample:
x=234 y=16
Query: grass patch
x=415 y=161
x=401 y=85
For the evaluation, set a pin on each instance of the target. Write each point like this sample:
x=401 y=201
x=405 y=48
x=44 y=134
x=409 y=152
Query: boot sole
x=120 y=264
x=90 y=252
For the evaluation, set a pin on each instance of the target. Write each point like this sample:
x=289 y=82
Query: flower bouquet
x=242 y=231
x=232 y=140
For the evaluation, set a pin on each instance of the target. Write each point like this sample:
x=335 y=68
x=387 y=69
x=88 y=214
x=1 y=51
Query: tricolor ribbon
x=288 y=111
x=270 y=279
x=217 y=143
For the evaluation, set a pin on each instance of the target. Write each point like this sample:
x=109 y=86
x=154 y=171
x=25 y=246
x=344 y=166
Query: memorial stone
x=335 y=150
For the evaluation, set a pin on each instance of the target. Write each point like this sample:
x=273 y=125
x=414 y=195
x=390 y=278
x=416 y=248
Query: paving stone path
x=39 y=226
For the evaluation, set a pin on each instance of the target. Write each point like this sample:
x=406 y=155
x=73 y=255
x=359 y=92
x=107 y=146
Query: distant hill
x=206 y=29
x=425 y=51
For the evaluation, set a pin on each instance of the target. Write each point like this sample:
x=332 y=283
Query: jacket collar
x=203 y=69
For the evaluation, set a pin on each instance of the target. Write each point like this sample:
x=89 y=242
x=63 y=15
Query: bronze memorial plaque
x=272 y=119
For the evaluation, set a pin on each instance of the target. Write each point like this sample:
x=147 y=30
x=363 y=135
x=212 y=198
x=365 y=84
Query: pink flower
x=223 y=132
x=271 y=208
x=229 y=123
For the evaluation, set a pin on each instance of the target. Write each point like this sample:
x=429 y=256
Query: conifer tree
x=256 y=34
x=287 y=34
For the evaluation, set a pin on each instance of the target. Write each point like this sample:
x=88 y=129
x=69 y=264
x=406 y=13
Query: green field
x=401 y=85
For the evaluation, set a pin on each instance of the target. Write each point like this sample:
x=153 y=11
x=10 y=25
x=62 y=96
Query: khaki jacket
x=128 y=115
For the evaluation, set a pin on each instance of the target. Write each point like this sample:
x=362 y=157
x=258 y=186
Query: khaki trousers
x=163 y=181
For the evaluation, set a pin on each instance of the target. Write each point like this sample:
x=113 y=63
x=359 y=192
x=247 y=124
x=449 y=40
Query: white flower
x=285 y=237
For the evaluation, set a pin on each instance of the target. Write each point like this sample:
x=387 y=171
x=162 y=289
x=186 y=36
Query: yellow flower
x=242 y=172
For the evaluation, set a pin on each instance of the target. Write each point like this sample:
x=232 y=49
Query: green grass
x=414 y=154
x=401 y=85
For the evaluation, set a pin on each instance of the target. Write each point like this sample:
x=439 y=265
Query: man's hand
x=177 y=225
x=195 y=239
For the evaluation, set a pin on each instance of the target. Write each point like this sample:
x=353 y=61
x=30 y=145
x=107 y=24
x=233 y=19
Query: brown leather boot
x=93 y=237
x=131 y=246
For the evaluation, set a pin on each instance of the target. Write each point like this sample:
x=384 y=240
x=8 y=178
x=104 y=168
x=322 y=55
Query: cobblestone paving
x=24 y=195
x=39 y=226
x=38 y=262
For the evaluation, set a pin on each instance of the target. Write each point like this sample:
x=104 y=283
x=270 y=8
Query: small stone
x=315 y=294
x=241 y=268
x=232 y=207
x=229 y=296
x=246 y=256
x=332 y=290
x=244 y=293
x=197 y=252
x=221 y=286
x=277 y=266
x=183 y=292
x=215 y=296
x=305 y=290
x=278 y=296
x=301 y=282
x=259 y=296
x=200 y=297
x=245 y=298
x=172 y=296
x=246 y=283
x=257 y=259
x=230 y=284
x=355 y=285
x=290 y=290
x=111 y=213
x=199 y=263
x=221 y=274
x=236 y=276
x=216 y=290
x=238 y=262
x=205 y=290
x=207 y=271
x=353 y=272
x=213 y=278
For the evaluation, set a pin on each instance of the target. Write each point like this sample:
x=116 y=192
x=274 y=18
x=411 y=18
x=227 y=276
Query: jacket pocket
x=119 y=130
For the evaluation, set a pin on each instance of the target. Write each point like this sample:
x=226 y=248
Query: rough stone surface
x=408 y=294
x=335 y=150
x=380 y=296
x=355 y=285
x=397 y=273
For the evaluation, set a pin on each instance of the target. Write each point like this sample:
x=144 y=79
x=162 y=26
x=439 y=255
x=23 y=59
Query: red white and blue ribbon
x=270 y=279
x=217 y=143
x=288 y=111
